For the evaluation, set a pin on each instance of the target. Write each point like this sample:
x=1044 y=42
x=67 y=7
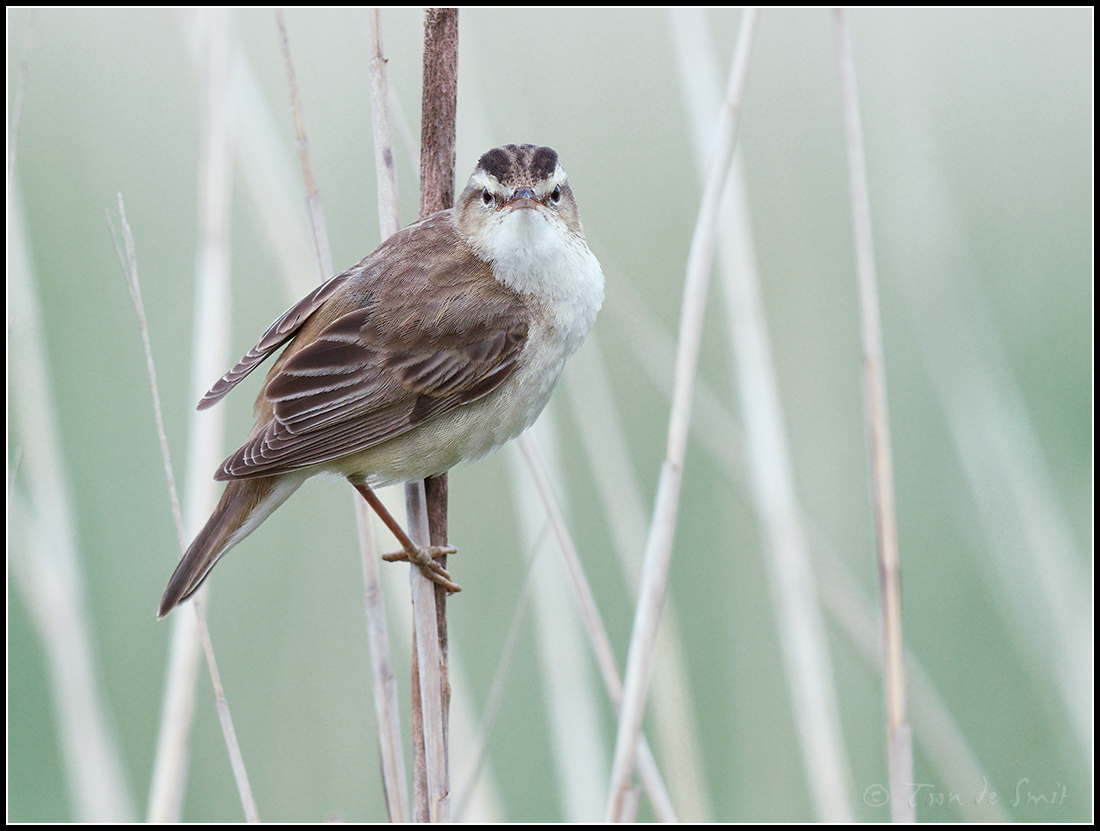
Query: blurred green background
x=978 y=129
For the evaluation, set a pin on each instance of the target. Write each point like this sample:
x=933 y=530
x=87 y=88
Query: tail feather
x=244 y=504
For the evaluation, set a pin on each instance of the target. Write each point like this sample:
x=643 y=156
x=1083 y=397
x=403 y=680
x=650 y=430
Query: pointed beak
x=522 y=198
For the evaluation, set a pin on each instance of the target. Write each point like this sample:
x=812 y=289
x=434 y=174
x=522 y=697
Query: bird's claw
x=423 y=557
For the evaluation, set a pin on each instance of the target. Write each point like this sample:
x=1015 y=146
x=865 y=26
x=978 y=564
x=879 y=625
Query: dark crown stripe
x=543 y=162
x=513 y=160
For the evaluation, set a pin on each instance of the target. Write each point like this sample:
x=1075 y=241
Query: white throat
x=535 y=253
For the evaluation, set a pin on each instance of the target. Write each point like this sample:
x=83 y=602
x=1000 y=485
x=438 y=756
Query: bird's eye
x=555 y=194
x=486 y=197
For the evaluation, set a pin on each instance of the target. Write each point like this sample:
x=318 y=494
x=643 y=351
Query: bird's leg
x=419 y=555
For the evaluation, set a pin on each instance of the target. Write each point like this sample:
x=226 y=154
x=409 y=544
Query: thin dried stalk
x=169 y=769
x=898 y=736
x=943 y=742
x=439 y=106
x=606 y=450
x=313 y=197
x=799 y=620
x=389 y=211
x=659 y=545
x=593 y=623
x=431 y=794
x=385 y=684
x=211 y=321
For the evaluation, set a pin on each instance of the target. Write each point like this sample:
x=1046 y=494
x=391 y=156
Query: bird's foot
x=423 y=557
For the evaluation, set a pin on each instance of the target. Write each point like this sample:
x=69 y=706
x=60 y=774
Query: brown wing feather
x=419 y=328
x=280 y=332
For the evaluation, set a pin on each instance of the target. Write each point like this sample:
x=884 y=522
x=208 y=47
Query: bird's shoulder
x=419 y=289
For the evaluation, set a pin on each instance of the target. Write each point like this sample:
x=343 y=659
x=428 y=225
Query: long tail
x=245 y=503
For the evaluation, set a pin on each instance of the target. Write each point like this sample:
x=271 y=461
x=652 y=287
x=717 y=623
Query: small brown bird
x=442 y=345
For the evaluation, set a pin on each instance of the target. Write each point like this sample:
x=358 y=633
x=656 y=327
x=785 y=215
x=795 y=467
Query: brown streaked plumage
x=440 y=346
